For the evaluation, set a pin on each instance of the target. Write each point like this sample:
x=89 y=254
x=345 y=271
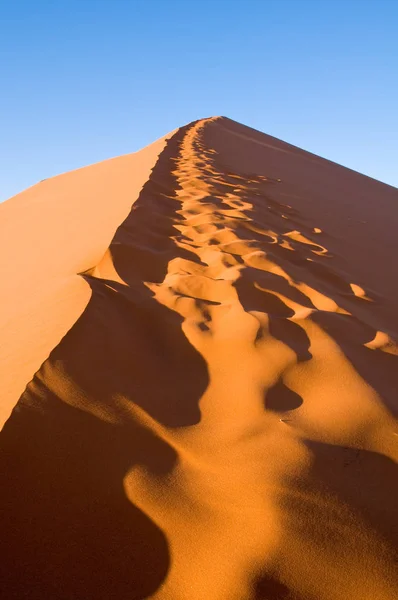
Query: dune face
x=48 y=234
x=219 y=420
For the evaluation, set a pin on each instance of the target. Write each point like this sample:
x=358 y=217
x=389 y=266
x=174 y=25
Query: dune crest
x=220 y=421
x=49 y=233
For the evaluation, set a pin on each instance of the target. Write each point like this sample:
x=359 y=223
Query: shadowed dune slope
x=48 y=234
x=218 y=421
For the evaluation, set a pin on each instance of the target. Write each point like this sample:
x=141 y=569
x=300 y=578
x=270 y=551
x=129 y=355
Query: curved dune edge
x=48 y=234
x=219 y=422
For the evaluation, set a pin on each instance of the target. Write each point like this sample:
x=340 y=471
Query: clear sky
x=85 y=80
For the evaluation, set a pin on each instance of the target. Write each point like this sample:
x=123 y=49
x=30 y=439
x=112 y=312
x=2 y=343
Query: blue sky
x=85 y=80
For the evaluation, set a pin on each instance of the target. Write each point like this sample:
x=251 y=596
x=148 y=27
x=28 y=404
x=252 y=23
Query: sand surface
x=48 y=235
x=204 y=336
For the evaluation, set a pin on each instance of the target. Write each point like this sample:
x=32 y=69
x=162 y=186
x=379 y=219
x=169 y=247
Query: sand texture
x=204 y=336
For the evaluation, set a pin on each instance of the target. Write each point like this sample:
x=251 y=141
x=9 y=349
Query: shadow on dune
x=351 y=494
x=70 y=531
x=359 y=488
x=129 y=346
x=137 y=347
x=293 y=336
x=280 y=398
x=145 y=243
x=269 y=588
x=253 y=298
x=378 y=368
x=364 y=480
x=266 y=225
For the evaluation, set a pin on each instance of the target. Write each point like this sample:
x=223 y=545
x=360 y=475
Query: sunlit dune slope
x=48 y=234
x=218 y=421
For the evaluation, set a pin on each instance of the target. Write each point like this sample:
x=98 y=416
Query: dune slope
x=48 y=234
x=218 y=421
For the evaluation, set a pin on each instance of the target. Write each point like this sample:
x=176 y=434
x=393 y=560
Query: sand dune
x=218 y=421
x=48 y=234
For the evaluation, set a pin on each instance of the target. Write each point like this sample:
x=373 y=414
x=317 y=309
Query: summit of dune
x=199 y=376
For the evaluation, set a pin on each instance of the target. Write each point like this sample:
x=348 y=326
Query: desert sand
x=199 y=377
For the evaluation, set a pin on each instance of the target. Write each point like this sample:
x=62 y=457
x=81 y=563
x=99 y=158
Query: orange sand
x=210 y=401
